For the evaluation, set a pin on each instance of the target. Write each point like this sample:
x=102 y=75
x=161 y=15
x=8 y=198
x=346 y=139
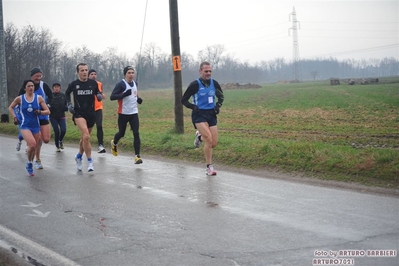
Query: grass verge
x=343 y=133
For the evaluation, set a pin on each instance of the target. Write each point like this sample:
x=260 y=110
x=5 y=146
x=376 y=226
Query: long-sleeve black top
x=58 y=106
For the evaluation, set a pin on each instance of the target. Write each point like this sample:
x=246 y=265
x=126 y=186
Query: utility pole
x=176 y=61
x=295 y=58
x=3 y=72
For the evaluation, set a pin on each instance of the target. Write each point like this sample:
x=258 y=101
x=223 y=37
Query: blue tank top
x=205 y=97
x=29 y=119
x=17 y=112
x=41 y=92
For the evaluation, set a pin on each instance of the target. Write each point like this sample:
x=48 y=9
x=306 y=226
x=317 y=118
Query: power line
x=262 y=37
x=353 y=30
x=249 y=30
x=141 y=43
x=361 y=50
x=349 y=37
x=349 y=22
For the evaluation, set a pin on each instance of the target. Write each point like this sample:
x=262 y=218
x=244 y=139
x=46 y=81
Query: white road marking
x=31 y=205
x=39 y=214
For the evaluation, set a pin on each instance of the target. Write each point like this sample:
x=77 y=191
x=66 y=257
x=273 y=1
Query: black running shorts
x=90 y=118
x=201 y=116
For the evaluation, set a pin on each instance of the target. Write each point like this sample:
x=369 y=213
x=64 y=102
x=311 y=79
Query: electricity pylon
x=296 y=72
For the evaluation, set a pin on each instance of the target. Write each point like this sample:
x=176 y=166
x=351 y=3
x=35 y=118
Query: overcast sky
x=250 y=30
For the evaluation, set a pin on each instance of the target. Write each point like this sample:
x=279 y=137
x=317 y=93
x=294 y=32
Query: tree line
x=30 y=47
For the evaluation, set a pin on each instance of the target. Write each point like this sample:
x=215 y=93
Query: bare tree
x=212 y=54
x=151 y=54
x=314 y=74
x=35 y=47
x=112 y=66
x=28 y=48
x=13 y=55
x=65 y=70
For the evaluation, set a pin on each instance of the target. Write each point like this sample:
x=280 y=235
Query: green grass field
x=345 y=133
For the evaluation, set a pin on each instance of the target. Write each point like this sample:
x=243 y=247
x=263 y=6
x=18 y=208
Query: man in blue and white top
x=204 y=92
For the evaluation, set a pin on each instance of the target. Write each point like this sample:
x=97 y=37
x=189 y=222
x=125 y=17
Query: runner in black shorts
x=204 y=92
x=43 y=122
x=84 y=90
x=204 y=116
x=90 y=120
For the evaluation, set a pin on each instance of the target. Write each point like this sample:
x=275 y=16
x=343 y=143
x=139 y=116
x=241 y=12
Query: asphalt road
x=168 y=213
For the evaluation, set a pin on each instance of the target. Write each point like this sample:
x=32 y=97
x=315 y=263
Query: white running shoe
x=78 y=161
x=210 y=170
x=197 y=141
x=38 y=164
x=101 y=149
x=90 y=168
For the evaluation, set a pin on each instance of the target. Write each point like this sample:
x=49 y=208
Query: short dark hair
x=205 y=63
x=80 y=64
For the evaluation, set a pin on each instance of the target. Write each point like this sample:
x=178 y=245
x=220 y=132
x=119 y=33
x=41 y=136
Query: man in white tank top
x=125 y=92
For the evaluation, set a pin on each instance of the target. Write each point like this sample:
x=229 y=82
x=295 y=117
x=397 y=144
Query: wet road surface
x=163 y=213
